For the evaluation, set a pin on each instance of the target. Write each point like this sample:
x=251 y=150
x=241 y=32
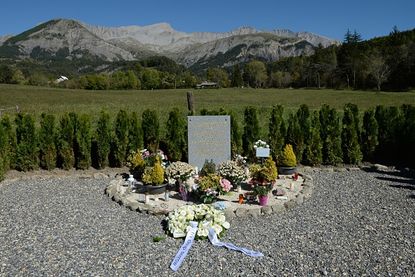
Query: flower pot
x=156 y=189
x=263 y=200
x=287 y=170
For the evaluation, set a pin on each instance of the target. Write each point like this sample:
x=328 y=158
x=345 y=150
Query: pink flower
x=225 y=184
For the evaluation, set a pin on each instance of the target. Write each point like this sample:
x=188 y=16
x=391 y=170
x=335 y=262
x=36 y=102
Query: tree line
x=384 y=63
x=383 y=134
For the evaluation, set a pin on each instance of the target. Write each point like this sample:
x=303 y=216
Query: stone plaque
x=209 y=138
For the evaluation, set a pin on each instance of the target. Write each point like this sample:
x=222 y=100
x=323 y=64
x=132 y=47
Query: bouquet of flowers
x=231 y=171
x=206 y=216
x=260 y=144
x=210 y=186
x=180 y=171
x=149 y=157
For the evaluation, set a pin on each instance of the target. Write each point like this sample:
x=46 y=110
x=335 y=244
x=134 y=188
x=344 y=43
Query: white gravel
x=355 y=223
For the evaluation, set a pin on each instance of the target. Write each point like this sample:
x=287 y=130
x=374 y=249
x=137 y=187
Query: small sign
x=262 y=152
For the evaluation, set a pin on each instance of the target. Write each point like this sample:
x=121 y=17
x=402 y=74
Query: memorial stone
x=209 y=138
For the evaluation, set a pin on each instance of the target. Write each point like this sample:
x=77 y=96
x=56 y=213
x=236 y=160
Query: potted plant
x=263 y=177
x=262 y=192
x=136 y=164
x=180 y=173
x=288 y=161
x=153 y=178
x=231 y=171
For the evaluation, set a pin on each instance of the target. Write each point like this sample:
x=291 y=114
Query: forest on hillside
x=385 y=63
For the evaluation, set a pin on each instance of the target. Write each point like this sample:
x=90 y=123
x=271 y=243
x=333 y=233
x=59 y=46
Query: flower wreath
x=207 y=216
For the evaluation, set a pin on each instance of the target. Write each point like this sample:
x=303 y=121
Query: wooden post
x=190 y=103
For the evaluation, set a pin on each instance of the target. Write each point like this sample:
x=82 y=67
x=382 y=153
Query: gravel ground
x=356 y=223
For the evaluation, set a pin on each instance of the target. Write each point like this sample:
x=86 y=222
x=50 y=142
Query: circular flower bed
x=207 y=216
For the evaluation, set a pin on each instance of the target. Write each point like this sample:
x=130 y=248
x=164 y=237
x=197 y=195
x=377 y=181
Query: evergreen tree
x=151 y=133
x=26 y=138
x=119 y=145
x=66 y=155
x=47 y=142
x=9 y=150
x=303 y=118
x=236 y=139
x=251 y=132
x=295 y=136
x=276 y=132
x=176 y=135
x=408 y=135
x=369 y=138
x=330 y=134
x=135 y=134
x=350 y=135
x=313 y=151
x=102 y=141
x=83 y=142
x=4 y=154
x=236 y=78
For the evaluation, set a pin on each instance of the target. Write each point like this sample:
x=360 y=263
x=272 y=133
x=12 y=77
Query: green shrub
x=119 y=145
x=313 y=149
x=408 y=135
x=209 y=167
x=330 y=134
x=135 y=134
x=369 y=137
x=390 y=122
x=154 y=175
x=4 y=155
x=176 y=135
x=47 y=142
x=304 y=121
x=66 y=155
x=276 y=132
x=9 y=148
x=295 y=135
x=82 y=143
x=26 y=138
x=151 y=133
x=264 y=173
x=288 y=158
x=102 y=141
x=251 y=132
x=350 y=135
x=236 y=139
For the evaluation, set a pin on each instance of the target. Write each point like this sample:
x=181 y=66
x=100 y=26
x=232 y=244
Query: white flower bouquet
x=231 y=171
x=206 y=215
x=179 y=171
x=260 y=144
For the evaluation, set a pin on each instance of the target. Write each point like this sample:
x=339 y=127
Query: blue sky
x=332 y=18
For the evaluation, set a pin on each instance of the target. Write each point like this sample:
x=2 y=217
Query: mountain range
x=66 y=39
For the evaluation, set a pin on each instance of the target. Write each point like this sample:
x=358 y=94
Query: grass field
x=36 y=100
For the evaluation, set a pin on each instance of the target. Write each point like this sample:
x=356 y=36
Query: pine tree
x=295 y=136
x=251 y=132
x=276 y=132
x=176 y=135
x=66 y=155
x=303 y=118
x=151 y=133
x=27 y=147
x=9 y=150
x=313 y=150
x=369 y=138
x=4 y=153
x=236 y=139
x=135 y=133
x=119 y=144
x=330 y=134
x=83 y=143
x=237 y=80
x=102 y=142
x=47 y=142
x=350 y=135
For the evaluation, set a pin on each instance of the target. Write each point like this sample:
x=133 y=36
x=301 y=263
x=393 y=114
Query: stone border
x=118 y=192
